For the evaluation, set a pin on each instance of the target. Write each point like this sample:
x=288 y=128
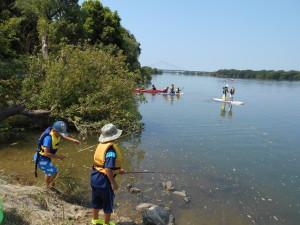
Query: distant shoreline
x=279 y=75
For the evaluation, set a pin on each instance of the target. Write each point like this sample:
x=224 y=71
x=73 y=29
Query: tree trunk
x=45 y=46
x=20 y=109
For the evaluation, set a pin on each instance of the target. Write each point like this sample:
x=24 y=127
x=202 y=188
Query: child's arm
x=48 y=154
x=110 y=175
x=71 y=139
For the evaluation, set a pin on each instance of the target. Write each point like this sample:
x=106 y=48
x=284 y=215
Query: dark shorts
x=103 y=199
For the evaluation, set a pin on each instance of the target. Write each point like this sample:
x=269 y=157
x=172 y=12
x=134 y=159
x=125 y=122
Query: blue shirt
x=47 y=142
x=100 y=180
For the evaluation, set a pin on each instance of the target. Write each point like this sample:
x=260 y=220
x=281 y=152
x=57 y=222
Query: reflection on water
x=226 y=110
x=239 y=169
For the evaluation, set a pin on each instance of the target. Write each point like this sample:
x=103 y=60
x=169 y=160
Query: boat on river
x=140 y=90
x=228 y=101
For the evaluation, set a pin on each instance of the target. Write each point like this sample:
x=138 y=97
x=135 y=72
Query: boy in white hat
x=107 y=164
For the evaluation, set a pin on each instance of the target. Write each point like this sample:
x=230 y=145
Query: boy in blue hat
x=47 y=148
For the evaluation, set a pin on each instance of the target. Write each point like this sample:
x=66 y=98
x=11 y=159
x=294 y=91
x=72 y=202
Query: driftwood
x=20 y=109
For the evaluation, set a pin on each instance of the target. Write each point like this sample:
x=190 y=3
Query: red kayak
x=140 y=90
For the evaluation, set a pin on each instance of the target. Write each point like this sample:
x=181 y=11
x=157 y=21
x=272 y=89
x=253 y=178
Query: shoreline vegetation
x=243 y=74
x=69 y=61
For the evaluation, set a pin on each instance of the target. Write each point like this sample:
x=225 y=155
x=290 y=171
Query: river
x=239 y=165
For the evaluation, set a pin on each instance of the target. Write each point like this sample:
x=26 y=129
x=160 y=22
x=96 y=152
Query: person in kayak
x=177 y=90
x=231 y=92
x=108 y=163
x=153 y=87
x=47 y=148
x=172 y=90
x=166 y=90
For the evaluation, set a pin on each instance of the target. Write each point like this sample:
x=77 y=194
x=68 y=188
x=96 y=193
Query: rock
x=168 y=186
x=129 y=186
x=156 y=215
x=180 y=193
x=144 y=206
x=134 y=190
x=125 y=221
x=187 y=199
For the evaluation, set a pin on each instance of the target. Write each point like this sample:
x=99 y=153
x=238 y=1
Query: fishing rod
x=92 y=146
x=148 y=172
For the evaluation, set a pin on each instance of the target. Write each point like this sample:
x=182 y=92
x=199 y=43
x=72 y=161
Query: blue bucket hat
x=60 y=127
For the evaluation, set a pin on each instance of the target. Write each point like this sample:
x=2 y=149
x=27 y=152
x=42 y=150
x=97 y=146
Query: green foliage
x=262 y=74
x=146 y=73
x=85 y=86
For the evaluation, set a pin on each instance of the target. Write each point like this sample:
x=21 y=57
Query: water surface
x=240 y=165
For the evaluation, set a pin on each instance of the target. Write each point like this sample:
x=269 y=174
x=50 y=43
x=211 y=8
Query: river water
x=239 y=164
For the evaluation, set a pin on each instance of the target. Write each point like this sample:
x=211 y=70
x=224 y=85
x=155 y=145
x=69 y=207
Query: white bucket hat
x=109 y=132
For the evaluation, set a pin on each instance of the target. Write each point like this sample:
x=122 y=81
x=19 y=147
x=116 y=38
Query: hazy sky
x=214 y=34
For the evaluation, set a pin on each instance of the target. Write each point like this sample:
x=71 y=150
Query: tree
x=86 y=86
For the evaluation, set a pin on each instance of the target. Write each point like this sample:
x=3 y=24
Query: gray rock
x=168 y=186
x=187 y=199
x=134 y=190
x=180 y=193
x=144 y=206
x=156 y=215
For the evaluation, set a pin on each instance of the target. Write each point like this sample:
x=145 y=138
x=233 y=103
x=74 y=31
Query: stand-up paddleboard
x=228 y=101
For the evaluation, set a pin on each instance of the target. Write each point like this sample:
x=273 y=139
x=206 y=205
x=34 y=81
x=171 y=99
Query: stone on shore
x=156 y=215
x=168 y=186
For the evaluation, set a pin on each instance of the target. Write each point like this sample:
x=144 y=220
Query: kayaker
x=47 y=148
x=153 y=87
x=172 y=90
x=166 y=90
x=107 y=164
x=177 y=90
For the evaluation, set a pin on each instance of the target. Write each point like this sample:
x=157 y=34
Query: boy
x=107 y=164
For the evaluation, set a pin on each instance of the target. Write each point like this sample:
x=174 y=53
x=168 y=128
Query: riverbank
x=25 y=204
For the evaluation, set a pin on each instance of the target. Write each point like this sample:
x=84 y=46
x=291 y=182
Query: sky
x=207 y=35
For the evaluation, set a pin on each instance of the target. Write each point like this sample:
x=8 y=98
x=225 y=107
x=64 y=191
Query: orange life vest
x=99 y=157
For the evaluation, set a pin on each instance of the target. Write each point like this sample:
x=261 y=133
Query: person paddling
x=47 y=149
x=153 y=87
x=178 y=90
x=225 y=91
x=172 y=90
x=231 y=92
x=107 y=164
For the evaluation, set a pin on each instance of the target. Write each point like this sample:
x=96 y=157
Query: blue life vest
x=41 y=139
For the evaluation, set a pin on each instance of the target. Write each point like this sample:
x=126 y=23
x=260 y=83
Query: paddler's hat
x=109 y=132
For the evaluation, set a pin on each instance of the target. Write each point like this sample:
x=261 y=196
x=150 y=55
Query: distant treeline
x=261 y=74
x=244 y=74
x=147 y=71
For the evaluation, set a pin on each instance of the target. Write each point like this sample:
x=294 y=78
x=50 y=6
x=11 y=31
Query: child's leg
x=50 y=180
x=107 y=218
x=95 y=214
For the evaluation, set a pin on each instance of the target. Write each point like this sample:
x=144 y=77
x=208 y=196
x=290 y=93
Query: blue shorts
x=103 y=199
x=46 y=165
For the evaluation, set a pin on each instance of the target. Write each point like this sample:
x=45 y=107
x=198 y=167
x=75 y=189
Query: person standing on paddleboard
x=231 y=92
x=47 y=148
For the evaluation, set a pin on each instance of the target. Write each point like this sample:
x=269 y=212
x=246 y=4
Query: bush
x=85 y=86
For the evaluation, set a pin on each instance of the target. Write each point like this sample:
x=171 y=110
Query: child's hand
x=76 y=142
x=122 y=171
x=61 y=157
x=115 y=186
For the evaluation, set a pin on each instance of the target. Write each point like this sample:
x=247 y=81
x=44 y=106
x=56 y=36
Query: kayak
x=173 y=94
x=140 y=90
x=228 y=101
